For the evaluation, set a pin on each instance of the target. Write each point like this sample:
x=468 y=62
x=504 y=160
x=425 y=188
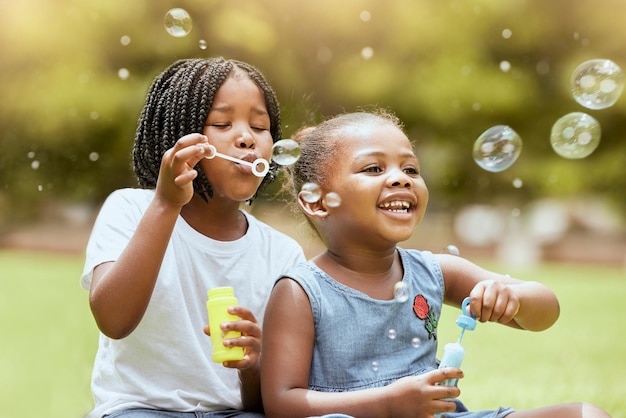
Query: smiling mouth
x=396 y=206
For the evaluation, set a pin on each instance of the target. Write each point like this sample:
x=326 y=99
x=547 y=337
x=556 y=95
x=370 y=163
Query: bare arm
x=288 y=337
x=498 y=297
x=120 y=290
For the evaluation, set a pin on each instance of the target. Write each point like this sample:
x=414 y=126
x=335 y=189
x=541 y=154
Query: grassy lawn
x=49 y=340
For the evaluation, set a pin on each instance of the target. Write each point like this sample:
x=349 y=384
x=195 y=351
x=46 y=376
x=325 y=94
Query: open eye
x=372 y=169
x=412 y=171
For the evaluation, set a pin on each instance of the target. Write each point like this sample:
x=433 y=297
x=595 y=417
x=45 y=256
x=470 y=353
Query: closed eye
x=219 y=125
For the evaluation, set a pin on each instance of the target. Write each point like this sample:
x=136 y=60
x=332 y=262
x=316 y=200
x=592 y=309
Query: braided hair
x=178 y=104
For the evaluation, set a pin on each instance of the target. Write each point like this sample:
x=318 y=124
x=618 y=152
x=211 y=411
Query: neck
x=222 y=221
x=371 y=273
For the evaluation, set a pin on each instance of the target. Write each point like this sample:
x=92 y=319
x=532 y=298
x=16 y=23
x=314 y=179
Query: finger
x=246 y=327
x=489 y=298
x=243 y=313
x=512 y=308
x=446 y=373
x=499 y=308
x=443 y=392
x=246 y=342
x=445 y=405
x=190 y=139
x=246 y=363
x=185 y=178
x=190 y=155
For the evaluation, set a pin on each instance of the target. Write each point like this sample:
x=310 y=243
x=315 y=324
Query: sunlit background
x=74 y=75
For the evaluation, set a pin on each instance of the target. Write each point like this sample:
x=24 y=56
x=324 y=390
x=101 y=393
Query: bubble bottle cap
x=464 y=320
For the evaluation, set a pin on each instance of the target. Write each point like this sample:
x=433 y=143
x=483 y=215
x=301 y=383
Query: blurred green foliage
x=68 y=118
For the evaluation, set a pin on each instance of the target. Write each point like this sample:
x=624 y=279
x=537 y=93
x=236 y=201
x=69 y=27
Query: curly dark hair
x=178 y=104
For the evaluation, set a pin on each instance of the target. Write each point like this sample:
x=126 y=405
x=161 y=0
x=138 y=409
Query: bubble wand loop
x=259 y=172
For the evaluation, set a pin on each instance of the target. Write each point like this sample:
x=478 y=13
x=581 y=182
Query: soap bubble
x=332 y=200
x=123 y=73
x=416 y=342
x=178 y=22
x=597 y=84
x=575 y=135
x=392 y=334
x=286 y=152
x=375 y=366
x=452 y=249
x=203 y=44
x=497 y=148
x=310 y=192
x=401 y=292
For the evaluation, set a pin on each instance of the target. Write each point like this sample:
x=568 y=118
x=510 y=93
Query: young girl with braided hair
x=155 y=251
x=326 y=343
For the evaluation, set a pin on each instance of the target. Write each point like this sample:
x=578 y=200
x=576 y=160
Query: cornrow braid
x=178 y=103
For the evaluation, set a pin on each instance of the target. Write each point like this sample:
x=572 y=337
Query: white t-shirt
x=165 y=363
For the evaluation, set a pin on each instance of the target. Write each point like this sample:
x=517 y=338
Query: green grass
x=49 y=340
x=48 y=336
x=580 y=358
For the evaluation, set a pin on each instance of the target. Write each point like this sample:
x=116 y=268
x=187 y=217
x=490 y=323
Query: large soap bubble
x=178 y=22
x=285 y=152
x=575 y=135
x=497 y=148
x=597 y=84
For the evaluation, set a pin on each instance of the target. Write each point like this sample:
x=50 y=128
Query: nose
x=398 y=178
x=245 y=139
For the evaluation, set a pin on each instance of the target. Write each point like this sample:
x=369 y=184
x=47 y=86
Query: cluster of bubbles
x=595 y=84
x=287 y=152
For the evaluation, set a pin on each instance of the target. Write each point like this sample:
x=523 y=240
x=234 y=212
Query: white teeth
x=397 y=205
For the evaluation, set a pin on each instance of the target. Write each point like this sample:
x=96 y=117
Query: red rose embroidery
x=422 y=311
x=420 y=307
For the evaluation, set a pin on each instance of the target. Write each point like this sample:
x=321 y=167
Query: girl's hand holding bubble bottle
x=219 y=299
x=453 y=353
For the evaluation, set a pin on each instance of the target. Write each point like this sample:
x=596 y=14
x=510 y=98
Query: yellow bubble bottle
x=219 y=299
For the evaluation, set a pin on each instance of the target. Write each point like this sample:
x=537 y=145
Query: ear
x=315 y=210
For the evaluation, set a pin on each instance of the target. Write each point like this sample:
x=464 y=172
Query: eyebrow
x=228 y=108
x=381 y=153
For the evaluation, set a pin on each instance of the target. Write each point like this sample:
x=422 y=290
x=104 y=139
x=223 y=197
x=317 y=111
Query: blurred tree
x=73 y=77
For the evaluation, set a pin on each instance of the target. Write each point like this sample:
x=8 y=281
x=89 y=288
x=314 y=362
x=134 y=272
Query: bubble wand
x=259 y=172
